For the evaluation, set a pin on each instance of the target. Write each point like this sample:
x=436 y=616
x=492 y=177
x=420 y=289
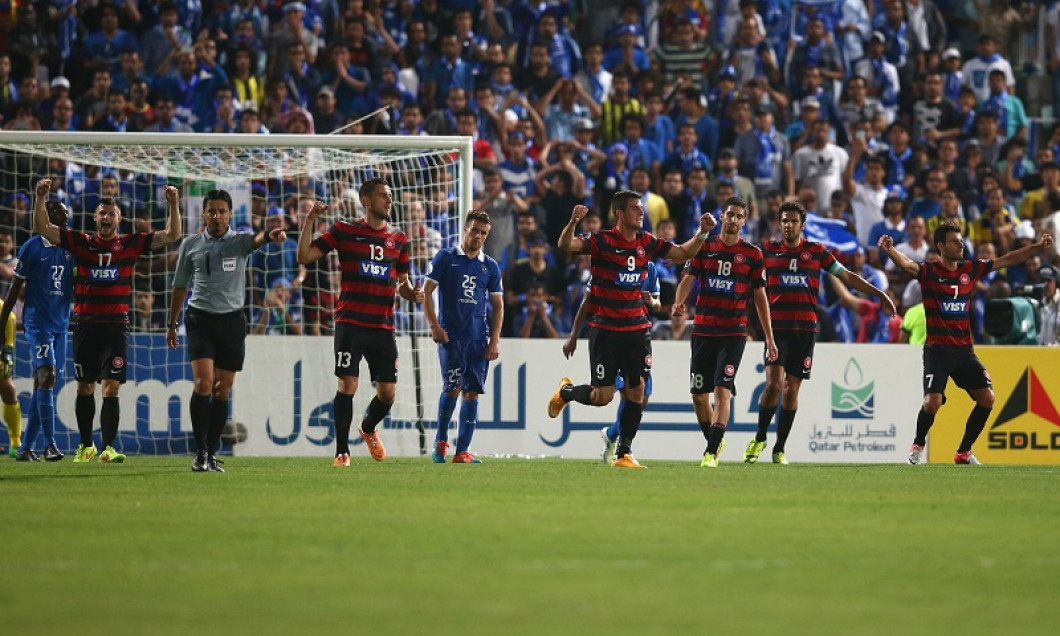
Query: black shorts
x=619 y=352
x=100 y=352
x=959 y=363
x=795 y=352
x=715 y=361
x=377 y=346
x=219 y=337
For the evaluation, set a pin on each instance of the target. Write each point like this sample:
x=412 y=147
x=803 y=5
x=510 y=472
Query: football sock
x=468 y=420
x=218 y=419
x=376 y=411
x=200 y=417
x=343 y=408
x=446 y=406
x=85 y=410
x=924 y=420
x=765 y=418
x=976 y=422
x=717 y=431
x=13 y=419
x=45 y=408
x=705 y=428
x=581 y=394
x=109 y=416
x=32 y=424
x=784 y=424
x=628 y=424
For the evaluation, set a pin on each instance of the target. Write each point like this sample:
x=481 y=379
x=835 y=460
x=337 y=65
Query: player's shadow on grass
x=37 y=477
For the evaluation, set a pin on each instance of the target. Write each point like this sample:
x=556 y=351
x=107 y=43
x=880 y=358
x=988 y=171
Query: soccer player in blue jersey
x=467 y=333
x=46 y=271
x=650 y=293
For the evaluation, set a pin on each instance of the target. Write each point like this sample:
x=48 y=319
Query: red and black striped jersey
x=727 y=275
x=793 y=278
x=947 y=297
x=371 y=262
x=103 y=282
x=617 y=267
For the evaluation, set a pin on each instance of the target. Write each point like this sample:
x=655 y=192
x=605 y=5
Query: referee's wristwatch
x=173 y=326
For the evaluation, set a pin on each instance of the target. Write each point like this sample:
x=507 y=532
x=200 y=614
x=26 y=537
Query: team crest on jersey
x=805 y=256
x=640 y=252
x=739 y=258
x=118 y=362
x=647 y=360
x=965 y=279
x=485 y=270
x=986 y=374
x=116 y=248
x=730 y=370
x=807 y=362
x=389 y=244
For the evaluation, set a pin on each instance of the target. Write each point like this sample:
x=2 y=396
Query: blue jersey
x=48 y=272
x=464 y=289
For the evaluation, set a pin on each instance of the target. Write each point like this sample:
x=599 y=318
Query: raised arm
x=690 y=248
x=41 y=224
x=851 y=279
x=307 y=252
x=278 y=235
x=567 y=241
x=1023 y=253
x=174 y=229
x=886 y=243
x=857 y=148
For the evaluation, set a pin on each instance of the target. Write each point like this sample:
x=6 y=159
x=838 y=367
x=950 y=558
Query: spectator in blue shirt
x=627 y=55
x=103 y=48
x=446 y=72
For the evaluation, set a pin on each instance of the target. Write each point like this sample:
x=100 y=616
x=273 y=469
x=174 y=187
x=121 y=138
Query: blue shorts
x=621 y=384
x=47 y=349
x=464 y=365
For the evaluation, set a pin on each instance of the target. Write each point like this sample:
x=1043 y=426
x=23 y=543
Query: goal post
x=277 y=406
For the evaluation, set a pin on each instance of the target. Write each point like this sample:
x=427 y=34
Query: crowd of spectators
x=891 y=116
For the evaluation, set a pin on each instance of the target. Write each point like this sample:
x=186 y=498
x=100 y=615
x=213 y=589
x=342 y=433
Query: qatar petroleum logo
x=853 y=400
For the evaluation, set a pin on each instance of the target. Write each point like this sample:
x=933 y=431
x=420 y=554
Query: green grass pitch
x=294 y=546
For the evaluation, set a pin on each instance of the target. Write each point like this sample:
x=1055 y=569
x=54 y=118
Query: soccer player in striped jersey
x=948 y=286
x=105 y=262
x=793 y=276
x=46 y=271
x=729 y=270
x=467 y=332
x=649 y=292
x=374 y=260
x=620 y=332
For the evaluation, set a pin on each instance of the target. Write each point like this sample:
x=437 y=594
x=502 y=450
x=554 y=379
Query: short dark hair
x=736 y=201
x=107 y=201
x=478 y=215
x=467 y=112
x=793 y=206
x=939 y=235
x=622 y=199
x=217 y=195
x=368 y=187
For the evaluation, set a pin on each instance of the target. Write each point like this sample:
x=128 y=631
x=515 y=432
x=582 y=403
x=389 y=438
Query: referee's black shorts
x=220 y=337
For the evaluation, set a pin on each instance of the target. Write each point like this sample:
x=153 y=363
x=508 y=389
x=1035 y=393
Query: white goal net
x=281 y=403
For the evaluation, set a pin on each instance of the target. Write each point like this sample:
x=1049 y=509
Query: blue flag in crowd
x=832 y=233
